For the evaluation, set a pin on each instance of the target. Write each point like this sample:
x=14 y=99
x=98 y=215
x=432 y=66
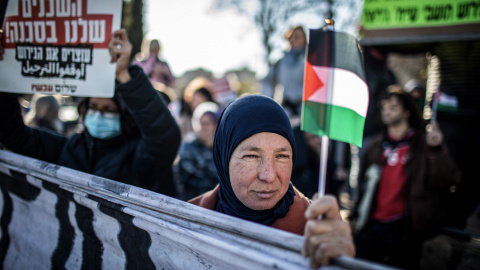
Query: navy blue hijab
x=243 y=118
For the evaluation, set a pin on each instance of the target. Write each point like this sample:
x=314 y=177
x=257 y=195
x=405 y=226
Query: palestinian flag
x=445 y=103
x=335 y=94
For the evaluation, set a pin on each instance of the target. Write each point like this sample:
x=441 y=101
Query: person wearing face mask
x=131 y=138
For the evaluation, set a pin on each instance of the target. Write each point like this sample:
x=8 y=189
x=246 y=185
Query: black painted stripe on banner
x=134 y=241
x=18 y=185
x=92 y=248
x=66 y=236
x=6 y=216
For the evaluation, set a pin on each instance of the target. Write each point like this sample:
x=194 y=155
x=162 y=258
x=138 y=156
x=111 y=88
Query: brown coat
x=293 y=222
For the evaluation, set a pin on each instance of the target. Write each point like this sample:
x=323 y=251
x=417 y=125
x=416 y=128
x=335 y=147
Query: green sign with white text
x=381 y=14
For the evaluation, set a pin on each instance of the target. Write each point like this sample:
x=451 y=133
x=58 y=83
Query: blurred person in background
x=305 y=175
x=287 y=73
x=196 y=92
x=197 y=173
x=156 y=69
x=405 y=170
x=131 y=138
x=45 y=115
x=417 y=91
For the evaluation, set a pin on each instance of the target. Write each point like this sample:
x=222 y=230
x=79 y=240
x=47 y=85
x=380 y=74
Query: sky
x=193 y=35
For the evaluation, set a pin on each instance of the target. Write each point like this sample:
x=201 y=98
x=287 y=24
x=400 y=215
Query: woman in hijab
x=254 y=153
x=196 y=169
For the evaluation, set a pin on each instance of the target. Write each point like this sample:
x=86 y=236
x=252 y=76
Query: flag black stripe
x=335 y=49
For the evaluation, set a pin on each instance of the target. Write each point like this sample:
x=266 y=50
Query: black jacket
x=144 y=161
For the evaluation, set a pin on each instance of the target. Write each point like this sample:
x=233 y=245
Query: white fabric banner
x=58 y=218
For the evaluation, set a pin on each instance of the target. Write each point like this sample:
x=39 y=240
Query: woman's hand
x=120 y=51
x=327 y=237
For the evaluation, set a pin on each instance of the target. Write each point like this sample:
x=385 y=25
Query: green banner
x=381 y=14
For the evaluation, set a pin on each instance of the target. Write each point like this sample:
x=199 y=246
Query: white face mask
x=102 y=126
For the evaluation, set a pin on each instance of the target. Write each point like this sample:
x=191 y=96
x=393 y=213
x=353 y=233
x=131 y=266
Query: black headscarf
x=242 y=119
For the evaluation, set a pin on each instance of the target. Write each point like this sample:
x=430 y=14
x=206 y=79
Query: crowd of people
x=249 y=159
x=134 y=138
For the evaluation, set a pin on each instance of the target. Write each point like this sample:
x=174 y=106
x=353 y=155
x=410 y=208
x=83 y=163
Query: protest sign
x=59 y=47
x=387 y=14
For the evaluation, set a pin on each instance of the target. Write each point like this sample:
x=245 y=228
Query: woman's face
x=298 y=39
x=260 y=169
x=207 y=129
x=197 y=98
x=104 y=105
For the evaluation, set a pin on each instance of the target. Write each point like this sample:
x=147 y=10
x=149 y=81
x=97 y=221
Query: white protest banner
x=54 y=217
x=59 y=47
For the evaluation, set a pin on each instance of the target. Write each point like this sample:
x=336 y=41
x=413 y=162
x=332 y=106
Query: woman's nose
x=266 y=170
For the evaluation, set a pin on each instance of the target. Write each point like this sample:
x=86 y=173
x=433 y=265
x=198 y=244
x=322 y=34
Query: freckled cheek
x=285 y=173
x=241 y=175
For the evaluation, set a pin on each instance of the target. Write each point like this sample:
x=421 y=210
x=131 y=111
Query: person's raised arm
x=328 y=237
x=442 y=166
x=160 y=135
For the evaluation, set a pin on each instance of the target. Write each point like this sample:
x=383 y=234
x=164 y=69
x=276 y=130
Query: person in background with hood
x=288 y=73
x=254 y=153
x=131 y=138
x=196 y=169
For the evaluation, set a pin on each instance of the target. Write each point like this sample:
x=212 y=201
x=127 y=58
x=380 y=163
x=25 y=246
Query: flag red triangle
x=311 y=82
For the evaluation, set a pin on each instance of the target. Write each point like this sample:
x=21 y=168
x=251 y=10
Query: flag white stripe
x=349 y=91
x=448 y=100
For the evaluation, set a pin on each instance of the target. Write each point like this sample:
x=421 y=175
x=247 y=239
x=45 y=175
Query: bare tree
x=132 y=21
x=272 y=16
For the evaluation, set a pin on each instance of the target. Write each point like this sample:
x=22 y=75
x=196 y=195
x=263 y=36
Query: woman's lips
x=265 y=194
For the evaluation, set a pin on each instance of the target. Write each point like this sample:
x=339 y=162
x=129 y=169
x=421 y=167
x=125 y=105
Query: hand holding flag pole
x=335 y=94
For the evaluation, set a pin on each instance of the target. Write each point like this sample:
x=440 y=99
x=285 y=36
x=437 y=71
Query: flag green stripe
x=446 y=108
x=345 y=124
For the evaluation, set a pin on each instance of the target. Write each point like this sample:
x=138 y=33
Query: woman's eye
x=284 y=156
x=250 y=156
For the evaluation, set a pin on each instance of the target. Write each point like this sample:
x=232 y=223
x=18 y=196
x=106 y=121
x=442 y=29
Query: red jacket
x=293 y=222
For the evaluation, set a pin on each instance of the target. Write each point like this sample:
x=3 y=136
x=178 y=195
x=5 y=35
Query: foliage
x=132 y=21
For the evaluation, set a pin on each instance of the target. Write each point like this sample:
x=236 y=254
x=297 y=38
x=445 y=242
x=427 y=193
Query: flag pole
x=323 y=166
x=322 y=174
